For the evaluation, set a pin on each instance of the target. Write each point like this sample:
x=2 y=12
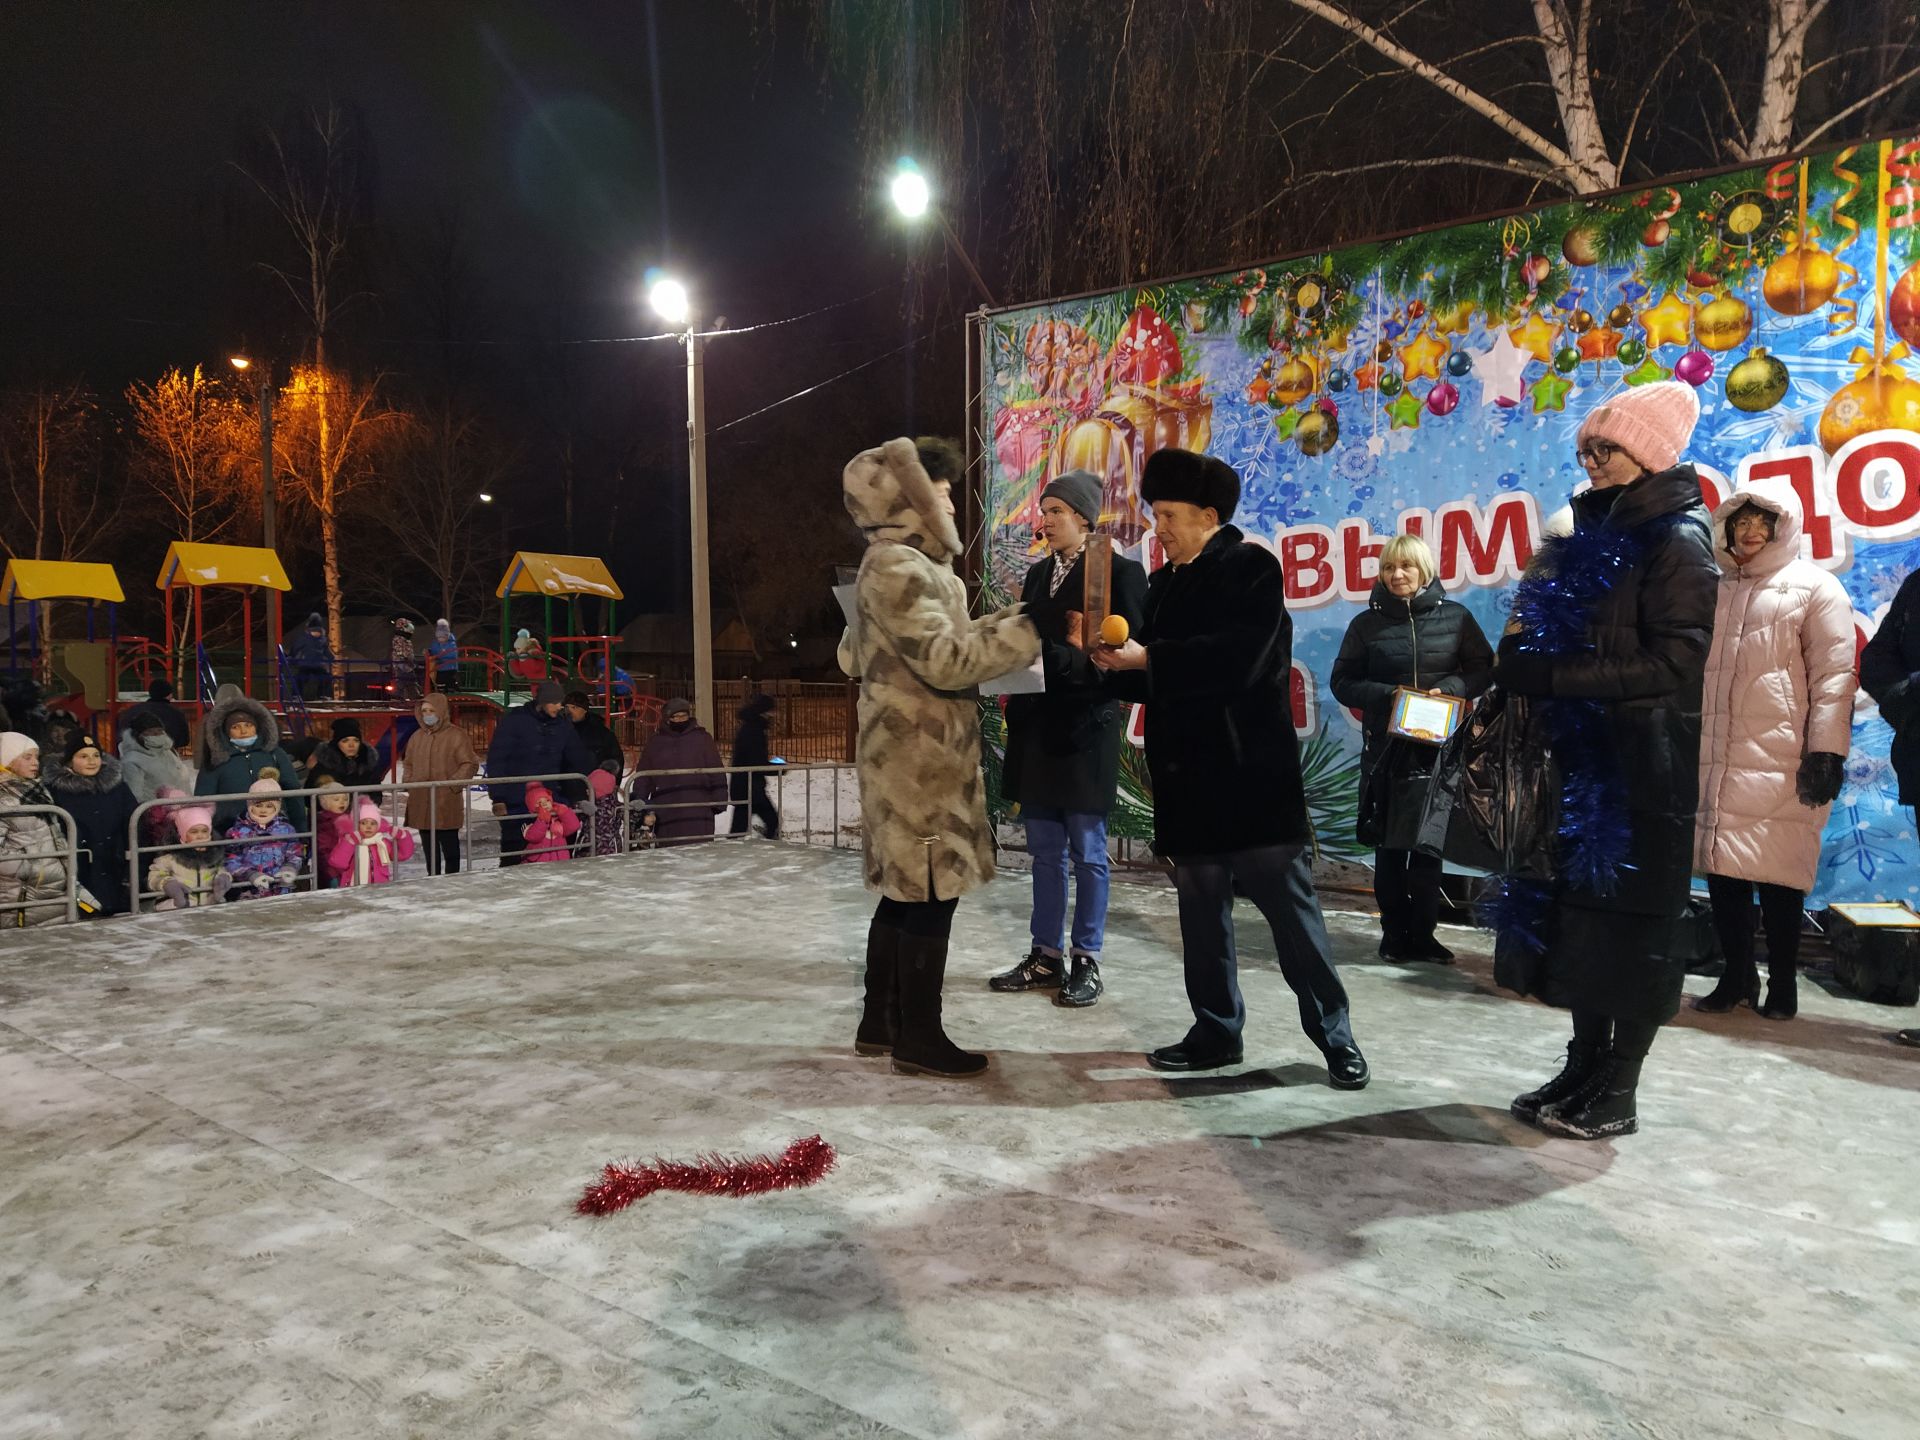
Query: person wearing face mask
x=438 y=750
x=1213 y=665
x=680 y=808
x=149 y=760
x=1609 y=634
x=1412 y=636
x=33 y=865
x=241 y=738
x=159 y=704
x=1777 y=721
x=536 y=738
x=87 y=784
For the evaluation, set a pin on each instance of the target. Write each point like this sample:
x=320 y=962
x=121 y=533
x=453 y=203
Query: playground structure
x=567 y=657
x=78 y=675
x=199 y=567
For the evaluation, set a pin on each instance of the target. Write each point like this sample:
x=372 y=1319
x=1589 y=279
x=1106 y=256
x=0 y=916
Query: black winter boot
x=1739 y=985
x=1783 y=990
x=1083 y=986
x=1581 y=1060
x=1604 y=1106
x=878 y=1016
x=920 y=1046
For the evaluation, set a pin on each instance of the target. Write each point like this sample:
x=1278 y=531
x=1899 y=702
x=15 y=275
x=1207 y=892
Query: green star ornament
x=1550 y=393
x=1650 y=370
x=1405 y=411
x=1286 y=422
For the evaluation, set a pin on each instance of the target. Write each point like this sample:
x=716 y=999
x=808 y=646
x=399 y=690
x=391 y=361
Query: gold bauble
x=1883 y=400
x=1294 y=383
x=1801 y=281
x=1317 y=432
x=1758 y=382
x=1723 y=323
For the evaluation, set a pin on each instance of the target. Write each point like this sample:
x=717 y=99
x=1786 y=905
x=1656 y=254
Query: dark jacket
x=309 y=651
x=599 y=741
x=1650 y=633
x=361 y=772
x=1063 y=747
x=527 y=742
x=230 y=770
x=167 y=713
x=752 y=745
x=101 y=806
x=1425 y=642
x=1890 y=673
x=1220 y=744
x=683 y=805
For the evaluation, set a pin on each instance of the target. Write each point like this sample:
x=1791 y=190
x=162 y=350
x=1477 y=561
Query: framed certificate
x=1430 y=719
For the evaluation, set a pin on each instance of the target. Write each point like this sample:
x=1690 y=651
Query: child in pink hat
x=367 y=855
x=552 y=826
x=191 y=874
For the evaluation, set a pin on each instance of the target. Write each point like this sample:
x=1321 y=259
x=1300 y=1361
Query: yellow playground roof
x=532 y=574
x=189 y=562
x=59 y=580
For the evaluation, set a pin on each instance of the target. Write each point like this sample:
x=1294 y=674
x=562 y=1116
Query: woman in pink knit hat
x=1610 y=633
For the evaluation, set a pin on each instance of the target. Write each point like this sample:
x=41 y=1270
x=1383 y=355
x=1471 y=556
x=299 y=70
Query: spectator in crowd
x=1611 y=630
x=529 y=659
x=1063 y=748
x=550 y=828
x=443 y=655
x=312 y=659
x=1890 y=673
x=1410 y=636
x=63 y=728
x=607 y=813
x=609 y=759
x=88 y=785
x=751 y=746
x=149 y=759
x=346 y=756
x=680 y=808
x=33 y=866
x=300 y=748
x=192 y=874
x=439 y=750
x=1213 y=665
x=21 y=709
x=918 y=653
x=1772 y=755
x=159 y=704
x=401 y=660
x=242 y=739
x=333 y=810
x=531 y=739
x=367 y=855
x=270 y=861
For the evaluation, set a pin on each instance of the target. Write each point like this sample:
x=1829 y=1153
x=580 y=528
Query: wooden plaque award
x=1097 y=573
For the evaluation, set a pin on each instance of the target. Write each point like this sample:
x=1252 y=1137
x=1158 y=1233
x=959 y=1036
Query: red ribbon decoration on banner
x=1903 y=200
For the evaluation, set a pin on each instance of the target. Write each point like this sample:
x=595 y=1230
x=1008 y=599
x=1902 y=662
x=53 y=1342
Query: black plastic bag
x=1493 y=802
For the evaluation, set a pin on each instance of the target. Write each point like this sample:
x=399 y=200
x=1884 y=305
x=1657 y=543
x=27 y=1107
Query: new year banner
x=1435 y=384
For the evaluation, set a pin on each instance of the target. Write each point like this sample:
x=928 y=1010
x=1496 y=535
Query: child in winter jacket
x=606 y=813
x=368 y=855
x=335 y=824
x=192 y=875
x=270 y=863
x=552 y=826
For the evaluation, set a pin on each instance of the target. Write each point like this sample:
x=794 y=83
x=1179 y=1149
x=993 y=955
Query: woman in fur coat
x=922 y=799
x=1609 y=634
x=33 y=868
x=88 y=786
x=1777 y=720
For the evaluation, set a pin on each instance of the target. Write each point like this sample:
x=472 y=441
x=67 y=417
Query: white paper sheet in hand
x=1028 y=680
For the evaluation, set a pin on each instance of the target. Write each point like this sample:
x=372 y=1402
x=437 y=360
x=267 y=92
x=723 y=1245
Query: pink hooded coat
x=1780 y=684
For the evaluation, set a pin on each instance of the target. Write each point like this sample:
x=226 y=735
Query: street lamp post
x=669 y=300
x=267 y=491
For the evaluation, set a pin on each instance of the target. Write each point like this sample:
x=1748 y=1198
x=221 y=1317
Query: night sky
x=533 y=132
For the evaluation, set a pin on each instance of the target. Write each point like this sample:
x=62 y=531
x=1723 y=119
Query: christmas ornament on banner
x=1758 y=382
x=1880 y=396
x=1903 y=214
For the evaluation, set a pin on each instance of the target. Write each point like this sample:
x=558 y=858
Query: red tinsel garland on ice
x=801 y=1163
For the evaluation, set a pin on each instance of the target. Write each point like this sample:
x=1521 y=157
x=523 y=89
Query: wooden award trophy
x=1097 y=573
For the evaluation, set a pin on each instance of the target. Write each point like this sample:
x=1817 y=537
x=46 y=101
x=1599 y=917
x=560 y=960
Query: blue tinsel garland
x=1553 y=607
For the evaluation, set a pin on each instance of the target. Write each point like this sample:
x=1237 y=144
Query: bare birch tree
x=57 y=503
x=196 y=451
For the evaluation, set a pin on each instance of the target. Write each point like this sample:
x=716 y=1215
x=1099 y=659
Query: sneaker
x=1082 y=987
x=1039 y=971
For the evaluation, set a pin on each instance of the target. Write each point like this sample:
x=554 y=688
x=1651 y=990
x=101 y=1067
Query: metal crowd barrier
x=13 y=912
x=632 y=808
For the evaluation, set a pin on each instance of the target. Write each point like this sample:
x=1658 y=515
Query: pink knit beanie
x=188 y=816
x=1652 y=423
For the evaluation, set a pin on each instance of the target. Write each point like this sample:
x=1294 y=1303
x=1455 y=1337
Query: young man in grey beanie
x=1063 y=747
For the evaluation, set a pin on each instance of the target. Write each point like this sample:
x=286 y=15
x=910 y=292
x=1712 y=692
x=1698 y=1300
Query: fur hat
x=346 y=725
x=1193 y=479
x=13 y=745
x=1652 y=423
x=1079 y=491
x=188 y=816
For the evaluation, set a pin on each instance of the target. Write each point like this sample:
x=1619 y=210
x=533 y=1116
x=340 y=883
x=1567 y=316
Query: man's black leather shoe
x=1347 y=1068
x=1179 y=1057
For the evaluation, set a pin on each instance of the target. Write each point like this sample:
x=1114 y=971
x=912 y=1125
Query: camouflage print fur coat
x=918 y=655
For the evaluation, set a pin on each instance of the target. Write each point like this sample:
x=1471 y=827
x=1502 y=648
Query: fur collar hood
x=890 y=497
x=214 y=745
x=67 y=781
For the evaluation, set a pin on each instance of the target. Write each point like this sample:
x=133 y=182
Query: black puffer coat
x=1651 y=631
x=1890 y=673
x=1063 y=747
x=101 y=805
x=1220 y=743
x=1425 y=642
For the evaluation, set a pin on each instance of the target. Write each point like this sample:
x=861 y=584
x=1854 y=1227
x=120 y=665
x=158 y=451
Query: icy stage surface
x=306 y=1169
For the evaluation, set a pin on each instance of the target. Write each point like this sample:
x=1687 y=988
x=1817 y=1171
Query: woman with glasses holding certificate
x=1408 y=665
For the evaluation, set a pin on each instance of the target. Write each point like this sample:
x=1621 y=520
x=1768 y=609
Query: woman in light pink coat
x=1776 y=719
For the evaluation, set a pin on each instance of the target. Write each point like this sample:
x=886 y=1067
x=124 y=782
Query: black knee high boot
x=1607 y=1104
x=879 y=1013
x=920 y=1045
x=1783 y=962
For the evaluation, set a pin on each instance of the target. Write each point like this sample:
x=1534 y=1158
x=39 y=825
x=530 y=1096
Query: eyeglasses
x=1596 y=452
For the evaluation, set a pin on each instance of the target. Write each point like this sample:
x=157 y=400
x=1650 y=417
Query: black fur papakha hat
x=1193 y=479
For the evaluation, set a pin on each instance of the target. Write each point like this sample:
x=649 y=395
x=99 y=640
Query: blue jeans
x=1279 y=881
x=1054 y=837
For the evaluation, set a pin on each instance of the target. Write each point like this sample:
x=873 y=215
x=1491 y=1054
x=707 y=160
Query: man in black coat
x=1890 y=673
x=752 y=746
x=532 y=739
x=1063 y=747
x=1229 y=806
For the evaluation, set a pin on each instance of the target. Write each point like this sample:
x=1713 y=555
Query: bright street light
x=485 y=498
x=911 y=197
x=239 y=362
x=668 y=297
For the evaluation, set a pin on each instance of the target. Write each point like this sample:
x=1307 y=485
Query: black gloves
x=1523 y=674
x=1821 y=776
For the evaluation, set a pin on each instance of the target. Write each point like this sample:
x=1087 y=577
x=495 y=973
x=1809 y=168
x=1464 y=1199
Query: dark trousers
x=1406 y=886
x=443 y=851
x=513 y=839
x=1780 y=916
x=761 y=806
x=1279 y=882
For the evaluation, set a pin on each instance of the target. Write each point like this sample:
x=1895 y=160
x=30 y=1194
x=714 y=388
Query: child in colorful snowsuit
x=368 y=855
x=552 y=826
x=335 y=806
x=269 y=865
x=193 y=875
x=606 y=812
